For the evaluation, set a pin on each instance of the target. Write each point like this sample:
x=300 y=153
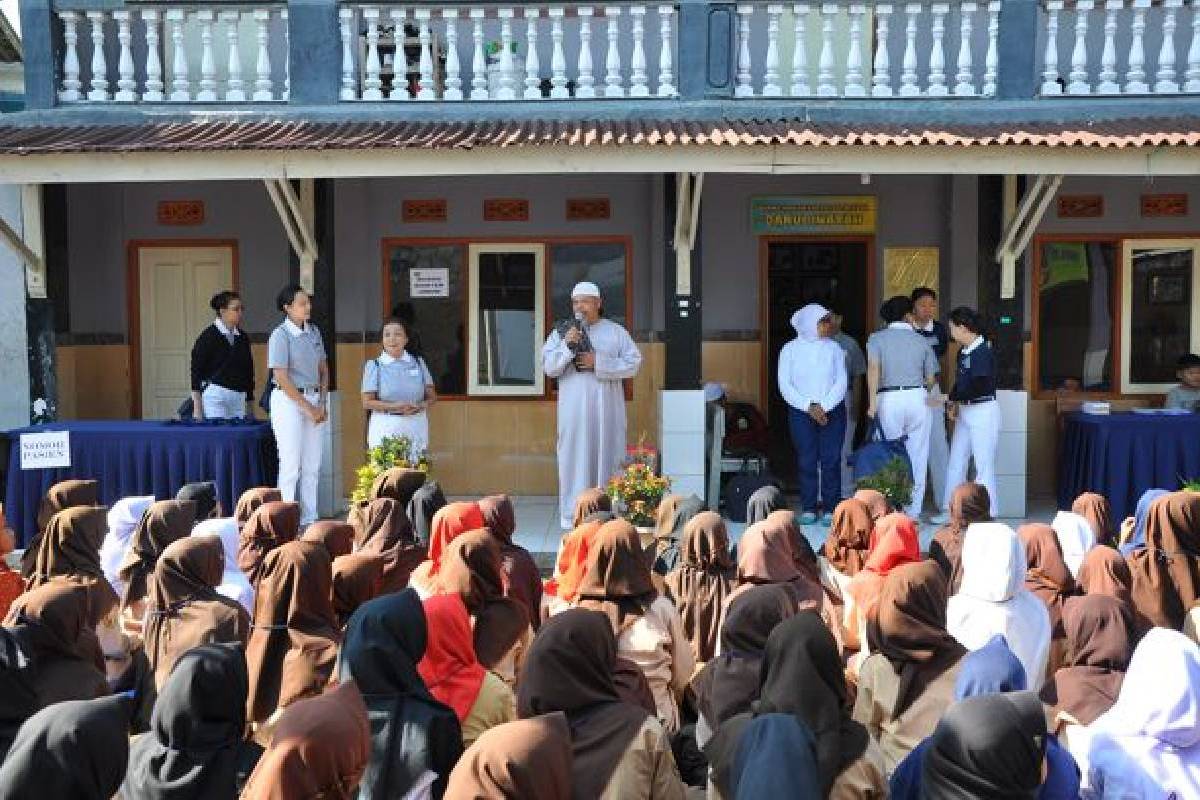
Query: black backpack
x=740 y=487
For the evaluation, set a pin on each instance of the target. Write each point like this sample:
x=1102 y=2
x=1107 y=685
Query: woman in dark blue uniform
x=973 y=406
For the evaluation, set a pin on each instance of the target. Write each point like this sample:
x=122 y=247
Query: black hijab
x=203 y=494
x=802 y=674
x=18 y=693
x=987 y=746
x=424 y=504
x=729 y=683
x=76 y=749
x=411 y=732
x=569 y=668
x=663 y=553
x=196 y=746
x=765 y=500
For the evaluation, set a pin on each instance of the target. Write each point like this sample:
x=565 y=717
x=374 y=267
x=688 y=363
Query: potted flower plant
x=636 y=492
x=393 y=451
x=893 y=480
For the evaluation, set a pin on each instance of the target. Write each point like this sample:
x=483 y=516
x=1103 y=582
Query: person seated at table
x=222 y=368
x=1187 y=394
x=397 y=388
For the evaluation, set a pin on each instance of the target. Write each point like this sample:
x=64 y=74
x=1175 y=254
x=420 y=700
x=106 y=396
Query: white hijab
x=1150 y=738
x=992 y=599
x=1075 y=539
x=234 y=584
x=123 y=517
x=806 y=320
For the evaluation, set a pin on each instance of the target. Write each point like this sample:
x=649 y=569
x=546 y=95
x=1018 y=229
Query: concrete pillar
x=15 y=354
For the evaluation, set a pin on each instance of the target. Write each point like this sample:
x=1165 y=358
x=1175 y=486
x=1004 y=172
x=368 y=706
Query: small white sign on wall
x=45 y=450
x=428 y=283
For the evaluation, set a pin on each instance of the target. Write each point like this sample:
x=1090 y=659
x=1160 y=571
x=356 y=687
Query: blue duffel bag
x=876 y=453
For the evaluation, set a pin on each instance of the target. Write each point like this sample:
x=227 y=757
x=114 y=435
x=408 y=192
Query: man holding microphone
x=590 y=356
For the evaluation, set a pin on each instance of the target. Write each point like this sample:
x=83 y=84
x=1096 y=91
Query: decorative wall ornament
x=431 y=210
x=588 y=208
x=506 y=209
x=1080 y=205
x=1165 y=205
x=181 y=212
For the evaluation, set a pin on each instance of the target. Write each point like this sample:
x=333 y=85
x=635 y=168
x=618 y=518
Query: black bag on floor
x=740 y=487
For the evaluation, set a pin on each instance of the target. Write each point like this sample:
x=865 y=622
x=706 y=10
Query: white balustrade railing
x=216 y=54
x=1113 y=47
x=866 y=49
x=507 y=52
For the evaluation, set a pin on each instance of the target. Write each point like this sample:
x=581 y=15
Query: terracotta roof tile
x=227 y=135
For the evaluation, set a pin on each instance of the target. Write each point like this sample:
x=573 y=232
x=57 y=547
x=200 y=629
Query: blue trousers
x=818 y=455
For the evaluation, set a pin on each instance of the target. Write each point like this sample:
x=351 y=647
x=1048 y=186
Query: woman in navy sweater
x=973 y=406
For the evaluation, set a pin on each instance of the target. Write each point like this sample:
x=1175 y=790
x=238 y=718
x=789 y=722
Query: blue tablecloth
x=1122 y=455
x=136 y=457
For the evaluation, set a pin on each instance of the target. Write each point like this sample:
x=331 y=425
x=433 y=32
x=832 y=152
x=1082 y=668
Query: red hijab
x=573 y=561
x=449 y=523
x=894 y=542
x=449 y=668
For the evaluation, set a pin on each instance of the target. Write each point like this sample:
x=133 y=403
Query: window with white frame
x=506 y=318
x=1161 y=302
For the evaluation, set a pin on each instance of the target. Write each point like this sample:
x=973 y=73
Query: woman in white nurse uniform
x=397 y=389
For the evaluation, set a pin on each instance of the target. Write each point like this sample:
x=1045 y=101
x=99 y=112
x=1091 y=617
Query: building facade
x=711 y=165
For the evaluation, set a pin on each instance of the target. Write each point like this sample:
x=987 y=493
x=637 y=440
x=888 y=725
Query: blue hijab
x=1140 y=516
x=992 y=669
x=776 y=757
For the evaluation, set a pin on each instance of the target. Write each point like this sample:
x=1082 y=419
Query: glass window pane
x=602 y=263
x=439 y=330
x=505 y=343
x=1160 y=312
x=1075 y=313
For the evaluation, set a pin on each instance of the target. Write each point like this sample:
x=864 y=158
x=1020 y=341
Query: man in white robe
x=589 y=357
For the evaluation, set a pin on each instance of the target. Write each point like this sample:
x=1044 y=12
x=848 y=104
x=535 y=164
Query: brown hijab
x=471 y=569
x=335 y=537
x=569 y=668
x=357 y=578
x=766 y=555
x=498 y=627
x=1099 y=646
x=319 y=750
x=617 y=581
x=271 y=525
x=849 y=536
x=164 y=522
x=589 y=502
x=529 y=759
x=875 y=502
x=524 y=578
x=185 y=610
x=70 y=548
x=59 y=497
x=1166 y=573
x=909 y=629
x=1104 y=571
x=1047 y=575
x=250 y=501
x=1096 y=509
x=397 y=483
x=52 y=621
x=703 y=579
x=293 y=644
x=969 y=503
x=383 y=529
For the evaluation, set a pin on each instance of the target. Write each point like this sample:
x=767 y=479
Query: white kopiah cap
x=585 y=289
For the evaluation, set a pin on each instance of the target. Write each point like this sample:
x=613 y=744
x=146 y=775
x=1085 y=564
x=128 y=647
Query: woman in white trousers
x=973 y=407
x=296 y=358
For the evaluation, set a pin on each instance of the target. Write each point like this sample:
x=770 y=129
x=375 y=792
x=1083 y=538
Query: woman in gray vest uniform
x=397 y=389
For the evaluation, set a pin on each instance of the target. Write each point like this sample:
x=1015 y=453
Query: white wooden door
x=175 y=287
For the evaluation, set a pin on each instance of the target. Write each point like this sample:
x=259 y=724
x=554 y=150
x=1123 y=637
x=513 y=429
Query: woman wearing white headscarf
x=992 y=599
x=812 y=379
x=234 y=584
x=123 y=517
x=1076 y=537
x=1148 y=744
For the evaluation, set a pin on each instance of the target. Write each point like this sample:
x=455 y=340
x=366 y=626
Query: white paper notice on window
x=46 y=450
x=428 y=283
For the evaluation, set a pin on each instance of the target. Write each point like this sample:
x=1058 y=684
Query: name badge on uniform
x=966 y=362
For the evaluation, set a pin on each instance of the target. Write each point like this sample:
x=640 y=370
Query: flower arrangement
x=1191 y=485
x=893 y=480
x=641 y=453
x=393 y=451
x=636 y=491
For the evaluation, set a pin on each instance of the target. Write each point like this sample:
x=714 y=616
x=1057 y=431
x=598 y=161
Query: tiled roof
x=282 y=134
